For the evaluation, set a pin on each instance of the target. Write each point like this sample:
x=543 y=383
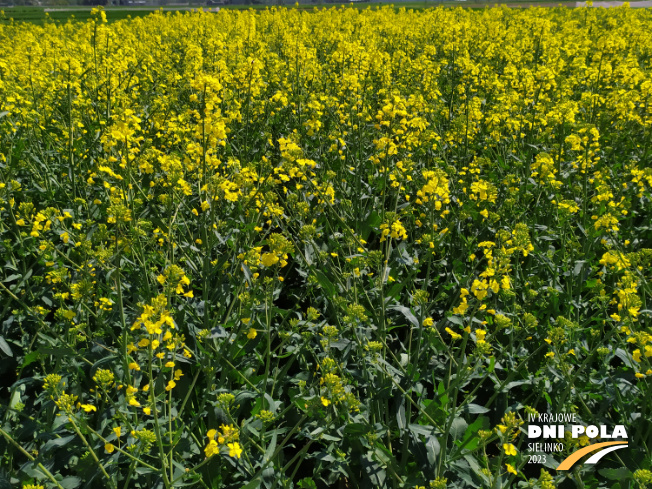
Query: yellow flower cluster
x=227 y=436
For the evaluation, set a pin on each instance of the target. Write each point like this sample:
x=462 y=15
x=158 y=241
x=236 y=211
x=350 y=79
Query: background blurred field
x=63 y=14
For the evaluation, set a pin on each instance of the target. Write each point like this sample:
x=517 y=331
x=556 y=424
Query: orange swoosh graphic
x=575 y=456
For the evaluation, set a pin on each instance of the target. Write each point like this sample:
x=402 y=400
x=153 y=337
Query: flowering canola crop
x=340 y=247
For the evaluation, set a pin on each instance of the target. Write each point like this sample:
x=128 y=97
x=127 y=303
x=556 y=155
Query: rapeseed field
x=333 y=248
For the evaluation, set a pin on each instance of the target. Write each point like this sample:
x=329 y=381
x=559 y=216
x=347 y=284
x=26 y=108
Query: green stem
x=30 y=457
x=157 y=429
x=92 y=452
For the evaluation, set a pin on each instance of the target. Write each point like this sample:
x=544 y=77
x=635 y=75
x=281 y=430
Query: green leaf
x=301 y=404
x=473 y=464
x=5 y=347
x=70 y=482
x=242 y=396
x=307 y=483
x=268 y=477
x=326 y=284
x=462 y=468
x=375 y=472
x=432 y=449
x=327 y=437
x=4 y=482
x=471 y=439
x=57 y=443
x=400 y=417
x=516 y=383
x=456 y=320
x=407 y=313
x=252 y=484
x=620 y=473
x=458 y=428
x=271 y=447
x=625 y=357
x=356 y=429
x=474 y=409
x=492 y=364
x=394 y=290
x=372 y=222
